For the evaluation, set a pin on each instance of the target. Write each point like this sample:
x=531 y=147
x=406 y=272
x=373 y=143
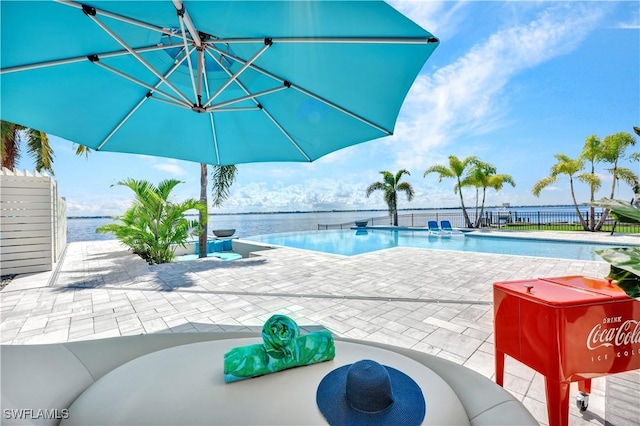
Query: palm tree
x=154 y=225
x=38 y=147
x=456 y=171
x=613 y=150
x=223 y=178
x=37 y=142
x=592 y=153
x=482 y=176
x=565 y=166
x=390 y=186
x=82 y=150
x=476 y=177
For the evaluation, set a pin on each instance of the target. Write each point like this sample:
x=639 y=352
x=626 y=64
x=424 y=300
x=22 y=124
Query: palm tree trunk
x=202 y=252
x=585 y=226
x=464 y=211
x=605 y=213
x=393 y=207
x=479 y=217
x=592 y=209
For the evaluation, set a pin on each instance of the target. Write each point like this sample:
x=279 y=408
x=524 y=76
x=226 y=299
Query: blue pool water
x=352 y=242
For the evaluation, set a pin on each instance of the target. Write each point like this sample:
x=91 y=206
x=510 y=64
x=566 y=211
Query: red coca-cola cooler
x=569 y=329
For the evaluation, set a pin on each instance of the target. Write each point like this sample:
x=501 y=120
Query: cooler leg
x=557 y=402
x=582 y=400
x=499 y=367
x=584 y=386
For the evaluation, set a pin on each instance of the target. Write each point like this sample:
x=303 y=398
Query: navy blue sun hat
x=368 y=393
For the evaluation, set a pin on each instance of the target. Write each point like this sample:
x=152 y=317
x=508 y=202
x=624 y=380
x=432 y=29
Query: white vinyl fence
x=33 y=222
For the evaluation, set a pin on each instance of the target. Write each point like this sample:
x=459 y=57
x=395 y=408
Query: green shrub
x=624 y=261
x=153 y=226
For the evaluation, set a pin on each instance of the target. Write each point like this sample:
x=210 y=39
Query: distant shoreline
x=349 y=211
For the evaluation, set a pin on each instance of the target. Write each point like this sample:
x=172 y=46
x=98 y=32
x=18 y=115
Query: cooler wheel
x=582 y=401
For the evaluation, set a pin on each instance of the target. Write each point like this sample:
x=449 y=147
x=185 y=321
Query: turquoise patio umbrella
x=216 y=82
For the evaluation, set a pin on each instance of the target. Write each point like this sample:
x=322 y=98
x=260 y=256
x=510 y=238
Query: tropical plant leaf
x=622 y=211
x=153 y=226
x=625 y=268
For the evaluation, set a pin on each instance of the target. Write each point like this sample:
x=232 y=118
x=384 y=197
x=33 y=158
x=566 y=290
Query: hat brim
x=409 y=407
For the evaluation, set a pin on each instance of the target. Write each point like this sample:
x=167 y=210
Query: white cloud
x=170 y=167
x=633 y=20
x=442 y=19
x=467 y=97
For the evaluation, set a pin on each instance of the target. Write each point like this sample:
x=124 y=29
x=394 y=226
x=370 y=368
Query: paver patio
x=434 y=301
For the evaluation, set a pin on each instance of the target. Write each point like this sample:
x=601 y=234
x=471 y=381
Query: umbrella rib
x=77 y=59
x=334 y=40
x=247 y=64
x=342 y=110
x=265 y=112
x=117 y=17
x=226 y=70
x=252 y=96
x=285 y=133
x=306 y=92
x=169 y=102
x=256 y=108
x=137 y=56
x=138 y=105
x=141 y=83
x=196 y=94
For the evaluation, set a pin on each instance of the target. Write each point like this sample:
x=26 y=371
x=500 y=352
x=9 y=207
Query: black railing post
x=587 y=216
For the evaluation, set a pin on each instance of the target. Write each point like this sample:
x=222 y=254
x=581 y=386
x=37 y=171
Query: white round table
x=185 y=385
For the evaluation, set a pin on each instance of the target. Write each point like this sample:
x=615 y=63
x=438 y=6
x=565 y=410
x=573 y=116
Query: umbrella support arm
x=251 y=96
x=93 y=10
x=94 y=59
x=186 y=19
x=138 y=105
x=82 y=58
x=246 y=64
x=137 y=56
x=301 y=90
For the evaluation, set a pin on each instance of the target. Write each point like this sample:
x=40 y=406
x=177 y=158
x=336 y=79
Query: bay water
x=252 y=224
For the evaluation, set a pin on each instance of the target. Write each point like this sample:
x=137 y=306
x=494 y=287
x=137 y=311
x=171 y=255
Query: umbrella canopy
x=216 y=82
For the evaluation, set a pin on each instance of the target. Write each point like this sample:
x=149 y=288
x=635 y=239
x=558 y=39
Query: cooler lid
x=597 y=285
x=562 y=291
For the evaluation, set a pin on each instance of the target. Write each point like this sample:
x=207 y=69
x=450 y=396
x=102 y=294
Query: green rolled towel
x=283 y=348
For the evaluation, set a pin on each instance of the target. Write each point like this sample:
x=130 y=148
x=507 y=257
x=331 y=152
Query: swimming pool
x=353 y=242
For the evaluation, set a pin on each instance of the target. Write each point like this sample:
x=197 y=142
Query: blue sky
x=512 y=82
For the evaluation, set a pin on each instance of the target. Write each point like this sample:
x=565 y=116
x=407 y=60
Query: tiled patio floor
x=438 y=302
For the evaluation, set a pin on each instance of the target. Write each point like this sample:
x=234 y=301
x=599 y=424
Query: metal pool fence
x=523 y=220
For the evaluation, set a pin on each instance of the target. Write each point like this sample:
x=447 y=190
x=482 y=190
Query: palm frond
x=542 y=184
x=39 y=149
x=223 y=178
x=407 y=189
x=376 y=186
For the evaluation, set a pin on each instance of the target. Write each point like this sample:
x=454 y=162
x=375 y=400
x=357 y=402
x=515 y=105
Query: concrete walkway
x=435 y=301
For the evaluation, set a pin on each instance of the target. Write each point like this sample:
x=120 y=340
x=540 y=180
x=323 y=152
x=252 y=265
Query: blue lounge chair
x=434 y=229
x=445 y=225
